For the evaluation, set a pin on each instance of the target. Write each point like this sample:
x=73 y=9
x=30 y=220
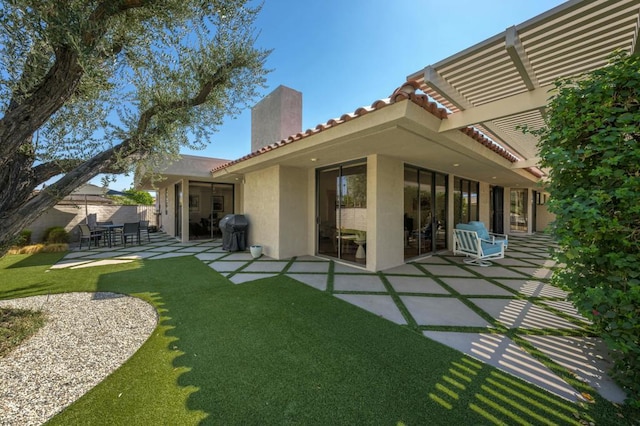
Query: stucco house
x=387 y=183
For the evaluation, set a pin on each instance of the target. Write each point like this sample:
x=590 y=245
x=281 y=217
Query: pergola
x=505 y=81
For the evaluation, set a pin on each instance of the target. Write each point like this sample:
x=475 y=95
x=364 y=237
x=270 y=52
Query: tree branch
x=218 y=78
x=60 y=82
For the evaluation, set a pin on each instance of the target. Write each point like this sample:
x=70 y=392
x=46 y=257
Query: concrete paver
x=517 y=313
x=317 y=281
x=503 y=353
x=381 y=305
x=442 y=311
x=416 y=285
x=475 y=286
x=357 y=283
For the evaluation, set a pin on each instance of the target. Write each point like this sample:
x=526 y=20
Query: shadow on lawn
x=41 y=259
x=276 y=351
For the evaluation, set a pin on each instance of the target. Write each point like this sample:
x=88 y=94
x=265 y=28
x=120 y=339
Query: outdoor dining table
x=110 y=231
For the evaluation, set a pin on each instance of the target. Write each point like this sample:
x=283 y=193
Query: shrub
x=24 y=239
x=56 y=235
x=39 y=248
x=591 y=143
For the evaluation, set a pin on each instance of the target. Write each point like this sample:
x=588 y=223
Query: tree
x=101 y=86
x=591 y=143
x=134 y=197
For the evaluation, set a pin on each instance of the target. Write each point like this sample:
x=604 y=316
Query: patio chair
x=484 y=234
x=478 y=251
x=130 y=230
x=86 y=234
x=144 y=228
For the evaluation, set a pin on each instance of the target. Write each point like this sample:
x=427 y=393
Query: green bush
x=24 y=239
x=591 y=143
x=56 y=235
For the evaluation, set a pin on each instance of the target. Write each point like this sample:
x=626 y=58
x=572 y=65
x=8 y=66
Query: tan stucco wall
x=276 y=205
x=262 y=208
x=485 y=203
x=294 y=213
x=543 y=217
x=385 y=198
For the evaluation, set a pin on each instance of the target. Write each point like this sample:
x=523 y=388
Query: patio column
x=385 y=198
x=185 y=211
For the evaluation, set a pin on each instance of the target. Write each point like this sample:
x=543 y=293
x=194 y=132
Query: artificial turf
x=275 y=351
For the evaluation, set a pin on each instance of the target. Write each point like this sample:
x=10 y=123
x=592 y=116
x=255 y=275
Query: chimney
x=277 y=116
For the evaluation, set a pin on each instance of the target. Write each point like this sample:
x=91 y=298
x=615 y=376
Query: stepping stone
x=265 y=267
x=141 y=255
x=164 y=248
x=239 y=256
x=193 y=249
x=442 y=311
x=447 y=270
x=517 y=313
x=68 y=263
x=496 y=271
x=416 y=285
x=169 y=255
x=103 y=262
x=502 y=353
x=225 y=266
x=357 y=283
x=318 y=281
x=534 y=288
x=535 y=272
x=381 y=305
x=406 y=269
x=341 y=268
x=567 y=308
x=77 y=254
x=476 y=286
x=303 y=267
x=585 y=357
x=241 y=278
x=209 y=256
x=433 y=260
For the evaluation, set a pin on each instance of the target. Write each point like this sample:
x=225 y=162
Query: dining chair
x=86 y=234
x=144 y=227
x=130 y=230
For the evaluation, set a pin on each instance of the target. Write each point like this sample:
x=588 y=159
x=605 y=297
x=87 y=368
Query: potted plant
x=256 y=251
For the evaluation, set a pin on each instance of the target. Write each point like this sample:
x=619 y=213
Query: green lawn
x=278 y=352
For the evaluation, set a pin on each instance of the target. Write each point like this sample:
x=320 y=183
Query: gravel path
x=85 y=338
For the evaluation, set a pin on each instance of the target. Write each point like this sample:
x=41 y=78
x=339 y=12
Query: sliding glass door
x=342 y=211
x=518 y=216
x=425 y=212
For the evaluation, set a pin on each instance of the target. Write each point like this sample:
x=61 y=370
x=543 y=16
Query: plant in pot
x=256 y=251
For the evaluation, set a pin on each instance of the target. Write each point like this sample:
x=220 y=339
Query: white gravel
x=85 y=338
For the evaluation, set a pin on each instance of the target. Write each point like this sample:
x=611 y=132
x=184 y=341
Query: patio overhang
x=503 y=83
x=401 y=130
x=186 y=167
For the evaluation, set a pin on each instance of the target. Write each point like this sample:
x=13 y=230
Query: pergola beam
x=433 y=79
x=516 y=104
x=518 y=56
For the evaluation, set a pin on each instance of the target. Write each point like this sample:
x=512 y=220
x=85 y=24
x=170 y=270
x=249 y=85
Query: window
x=465 y=200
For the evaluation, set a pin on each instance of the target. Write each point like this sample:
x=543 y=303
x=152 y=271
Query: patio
x=499 y=314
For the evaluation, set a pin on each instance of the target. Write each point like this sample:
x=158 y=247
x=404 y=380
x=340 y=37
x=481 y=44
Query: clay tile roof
x=405 y=92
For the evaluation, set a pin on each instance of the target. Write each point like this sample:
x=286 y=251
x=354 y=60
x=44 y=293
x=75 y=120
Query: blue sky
x=343 y=54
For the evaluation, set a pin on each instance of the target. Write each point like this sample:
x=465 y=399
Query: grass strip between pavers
x=275 y=351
